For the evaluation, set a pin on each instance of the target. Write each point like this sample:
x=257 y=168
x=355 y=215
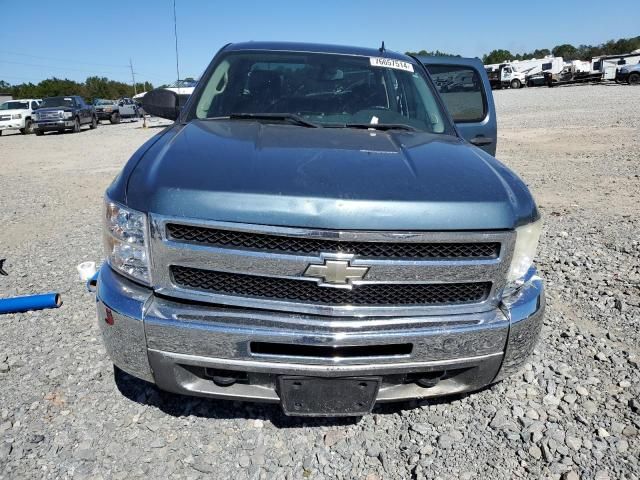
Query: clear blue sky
x=99 y=37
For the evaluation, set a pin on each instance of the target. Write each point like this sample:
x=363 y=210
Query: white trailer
x=518 y=73
x=608 y=65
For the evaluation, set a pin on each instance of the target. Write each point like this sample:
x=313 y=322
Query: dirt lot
x=573 y=412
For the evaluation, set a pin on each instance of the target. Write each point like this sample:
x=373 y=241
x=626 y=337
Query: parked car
x=315 y=230
x=115 y=110
x=17 y=115
x=63 y=113
x=629 y=74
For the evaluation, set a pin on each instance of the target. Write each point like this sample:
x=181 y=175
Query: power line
x=66 y=60
x=58 y=67
x=71 y=69
x=175 y=33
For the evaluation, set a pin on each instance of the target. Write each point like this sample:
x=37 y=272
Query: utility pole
x=133 y=77
x=175 y=33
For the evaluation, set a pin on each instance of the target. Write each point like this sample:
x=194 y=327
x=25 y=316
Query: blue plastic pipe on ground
x=30 y=302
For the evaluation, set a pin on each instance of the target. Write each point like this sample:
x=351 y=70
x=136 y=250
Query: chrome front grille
x=49 y=115
x=256 y=266
x=302 y=245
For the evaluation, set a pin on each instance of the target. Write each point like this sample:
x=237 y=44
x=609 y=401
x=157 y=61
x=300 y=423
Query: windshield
x=326 y=89
x=14 y=106
x=57 y=102
x=102 y=101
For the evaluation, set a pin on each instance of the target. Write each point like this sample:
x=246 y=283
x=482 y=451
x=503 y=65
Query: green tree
x=497 y=56
x=90 y=89
x=436 y=53
x=566 y=51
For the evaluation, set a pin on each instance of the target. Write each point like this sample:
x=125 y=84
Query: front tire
x=28 y=128
x=634 y=79
x=94 y=123
x=38 y=133
x=115 y=118
x=76 y=125
x=515 y=83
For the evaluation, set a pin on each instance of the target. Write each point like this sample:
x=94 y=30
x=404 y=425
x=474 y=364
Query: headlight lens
x=34 y=116
x=16 y=116
x=67 y=114
x=524 y=252
x=125 y=240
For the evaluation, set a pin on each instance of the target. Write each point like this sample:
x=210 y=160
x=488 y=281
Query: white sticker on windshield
x=390 y=63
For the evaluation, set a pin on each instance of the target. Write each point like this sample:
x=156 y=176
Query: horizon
x=151 y=46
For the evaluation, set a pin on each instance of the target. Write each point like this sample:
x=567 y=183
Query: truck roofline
x=316 y=48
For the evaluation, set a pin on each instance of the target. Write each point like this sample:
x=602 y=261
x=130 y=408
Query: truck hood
x=337 y=178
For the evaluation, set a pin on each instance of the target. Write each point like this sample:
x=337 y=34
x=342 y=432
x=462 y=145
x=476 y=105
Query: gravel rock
x=570 y=476
x=535 y=452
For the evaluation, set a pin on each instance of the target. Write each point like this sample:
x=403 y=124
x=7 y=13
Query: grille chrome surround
x=166 y=252
x=221 y=238
x=394 y=294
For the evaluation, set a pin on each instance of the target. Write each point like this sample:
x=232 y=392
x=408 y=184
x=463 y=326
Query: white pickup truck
x=16 y=115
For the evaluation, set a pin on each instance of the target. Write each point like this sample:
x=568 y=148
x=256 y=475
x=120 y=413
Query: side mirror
x=162 y=103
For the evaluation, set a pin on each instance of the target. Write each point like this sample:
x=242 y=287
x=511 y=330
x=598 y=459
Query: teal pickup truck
x=324 y=227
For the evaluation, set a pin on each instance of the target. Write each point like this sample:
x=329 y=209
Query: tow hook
x=431 y=379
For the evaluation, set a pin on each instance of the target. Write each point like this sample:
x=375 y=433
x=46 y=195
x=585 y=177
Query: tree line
x=90 y=89
x=566 y=51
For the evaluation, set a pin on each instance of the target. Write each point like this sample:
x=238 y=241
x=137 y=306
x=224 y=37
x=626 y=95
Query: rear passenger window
x=462 y=91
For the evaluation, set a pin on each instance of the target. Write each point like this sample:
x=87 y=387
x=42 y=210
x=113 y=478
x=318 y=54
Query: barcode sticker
x=390 y=63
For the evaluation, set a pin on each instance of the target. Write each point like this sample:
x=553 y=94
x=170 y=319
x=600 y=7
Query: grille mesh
x=298 y=245
x=310 y=292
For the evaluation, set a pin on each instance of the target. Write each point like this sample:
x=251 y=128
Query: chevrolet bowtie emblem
x=336 y=272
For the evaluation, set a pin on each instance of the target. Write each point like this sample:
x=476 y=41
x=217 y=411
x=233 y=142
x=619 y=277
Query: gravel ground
x=573 y=412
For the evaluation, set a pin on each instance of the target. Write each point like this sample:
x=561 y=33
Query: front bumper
x=102 y=115
x=11 y=124
x=45 y=125
x=176 y=344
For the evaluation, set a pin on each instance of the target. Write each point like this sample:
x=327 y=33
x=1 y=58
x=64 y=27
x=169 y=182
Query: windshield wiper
x=381 y=126
x=287 y=117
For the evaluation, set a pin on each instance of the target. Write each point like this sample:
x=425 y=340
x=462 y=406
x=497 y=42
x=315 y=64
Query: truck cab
x=321 y=228
x=17 y=115
x=506 y=76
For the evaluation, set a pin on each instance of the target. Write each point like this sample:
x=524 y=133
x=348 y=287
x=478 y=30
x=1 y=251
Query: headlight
x=34 y=116
x=67 y=114
x=524 y=252
x=125 y=240
x=16 y=116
